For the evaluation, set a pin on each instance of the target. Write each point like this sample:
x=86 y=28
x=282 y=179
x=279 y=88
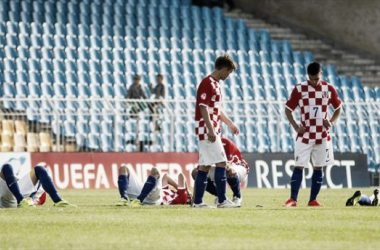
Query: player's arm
x=337 y=104
x=229 y=122
x=290 y=106
x=296 y=127
x=206 y=117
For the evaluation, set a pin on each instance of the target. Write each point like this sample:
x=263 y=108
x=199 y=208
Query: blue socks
x=11 y=181
x=316 y=184
x=221 y=183
x=295 y=183
x=365 y=201
x=47 y=183
x=147 y=188
x=123 y=184
x=211 y=187
x=200 y=186
x=234 y=183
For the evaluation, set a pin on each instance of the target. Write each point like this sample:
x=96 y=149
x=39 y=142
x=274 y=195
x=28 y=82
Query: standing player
x=155 y=191
x=237 y=171
x=208 y=113
x=313 y=139
x=26 y=192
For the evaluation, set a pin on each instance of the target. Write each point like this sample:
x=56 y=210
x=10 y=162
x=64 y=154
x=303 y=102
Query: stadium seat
x=45 y=142
x=92 y=49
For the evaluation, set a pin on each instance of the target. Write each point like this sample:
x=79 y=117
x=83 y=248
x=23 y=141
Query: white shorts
x=26 y=189
x=321 y=154
x=239 y=170
x=135 y=186
x=211 y=153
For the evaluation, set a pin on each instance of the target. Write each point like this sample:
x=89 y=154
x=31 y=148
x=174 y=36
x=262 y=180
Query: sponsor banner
x=100 y=170
x=275 y=170
x=19 y=161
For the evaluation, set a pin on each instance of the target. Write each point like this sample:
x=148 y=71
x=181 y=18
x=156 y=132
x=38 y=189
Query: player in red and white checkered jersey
x=158 y=189
x=313 y=139
x=237 y=171
x=208 y=114
x=176 y=193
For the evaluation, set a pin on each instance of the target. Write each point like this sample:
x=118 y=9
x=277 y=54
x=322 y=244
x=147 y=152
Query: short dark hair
x=225 y=61
x=313 y=69
x=160 y=76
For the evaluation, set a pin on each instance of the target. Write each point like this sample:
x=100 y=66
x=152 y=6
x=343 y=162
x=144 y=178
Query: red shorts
x=181 y=197
x=172 y=197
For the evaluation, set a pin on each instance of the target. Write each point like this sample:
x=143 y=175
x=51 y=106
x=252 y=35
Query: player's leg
x=316 y=184
x=234 y=182
x=10 y=179
x=221 y=185
x=365 y=200
x=149 y=185
x=236 y=174
x=39 y=173
x=302 y=156
x=354 y=199
x=322 y=155
x=200 y=184
x=183 y=196
x=221 y=181
x=374 y=197
x=210 y=154
x=123 y=184
x=210 y=186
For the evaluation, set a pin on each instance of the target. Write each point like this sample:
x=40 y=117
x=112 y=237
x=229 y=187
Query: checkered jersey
x=168 y=195
x=233 y=153
x=313 y=103
x=174 y=197
x=208 y=94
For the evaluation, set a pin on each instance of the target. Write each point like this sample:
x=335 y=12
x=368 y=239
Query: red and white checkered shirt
x=233 y=153
x=314 y=103
x=209 y=94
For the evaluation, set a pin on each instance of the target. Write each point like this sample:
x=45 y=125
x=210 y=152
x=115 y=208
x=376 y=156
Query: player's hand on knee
x=230 y=173
x=301 y=130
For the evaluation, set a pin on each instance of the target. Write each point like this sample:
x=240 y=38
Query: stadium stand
x=66 y=66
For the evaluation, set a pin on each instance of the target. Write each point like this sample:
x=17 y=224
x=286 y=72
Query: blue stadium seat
x=370 y=94
x=93 y=141
x=377 y=90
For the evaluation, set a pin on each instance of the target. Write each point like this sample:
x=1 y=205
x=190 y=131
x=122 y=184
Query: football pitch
x=260 y=224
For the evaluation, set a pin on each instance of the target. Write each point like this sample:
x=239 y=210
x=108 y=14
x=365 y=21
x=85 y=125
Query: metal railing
x=153 y=118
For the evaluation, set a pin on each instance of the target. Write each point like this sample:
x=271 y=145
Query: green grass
x=97 y=224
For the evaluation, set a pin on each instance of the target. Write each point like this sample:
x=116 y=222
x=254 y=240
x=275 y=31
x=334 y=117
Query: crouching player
x=155 y=191
x=237 y=171
x=29 y=190
x=363 y=200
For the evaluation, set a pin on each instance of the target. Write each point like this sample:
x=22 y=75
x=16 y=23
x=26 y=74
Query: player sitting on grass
x=27 y=192
x=155 y=191
x=363 y=200
x=237 y=171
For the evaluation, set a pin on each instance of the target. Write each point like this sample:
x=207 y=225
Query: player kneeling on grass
x=29 y=190
x=237 y=170
x=155 y=191
x=363 y=200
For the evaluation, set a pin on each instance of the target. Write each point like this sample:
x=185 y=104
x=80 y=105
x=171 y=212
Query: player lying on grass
x=237 y=171
x=363 y=200
x=29 y=190
x=156 y=190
